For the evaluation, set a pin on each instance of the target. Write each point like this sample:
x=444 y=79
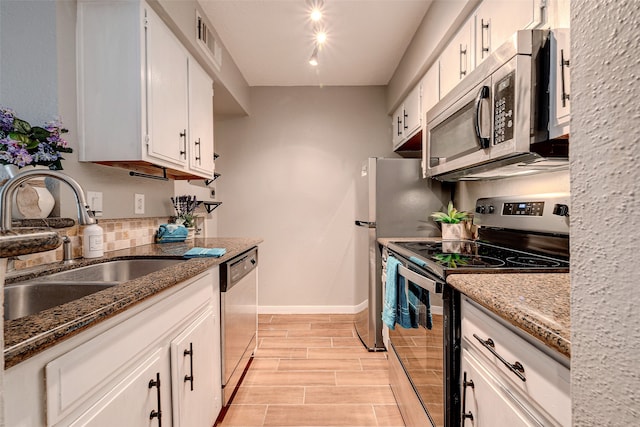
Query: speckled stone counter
x=536 y=303
x=27 y=336
x=44 y=222
x=23 y=241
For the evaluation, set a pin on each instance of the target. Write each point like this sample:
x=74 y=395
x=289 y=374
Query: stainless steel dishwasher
x=238 y=318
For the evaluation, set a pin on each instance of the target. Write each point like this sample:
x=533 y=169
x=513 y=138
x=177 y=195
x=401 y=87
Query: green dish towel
x=205 y=252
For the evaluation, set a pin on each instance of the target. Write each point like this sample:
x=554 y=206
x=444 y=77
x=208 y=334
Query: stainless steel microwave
x=494 y=123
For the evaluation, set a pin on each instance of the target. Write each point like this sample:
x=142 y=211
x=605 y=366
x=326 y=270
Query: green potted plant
x=456 y=225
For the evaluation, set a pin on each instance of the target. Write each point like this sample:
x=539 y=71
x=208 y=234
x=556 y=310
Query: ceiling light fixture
x=316 y=10
x=321 y=37
x=314 y=57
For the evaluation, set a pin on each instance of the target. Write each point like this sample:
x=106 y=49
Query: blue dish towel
x=391 y=293
x=419 y=307
x=205 y=252
x=396 y=300
x=171 y=233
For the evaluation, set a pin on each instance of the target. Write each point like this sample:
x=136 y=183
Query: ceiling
x=271 y=41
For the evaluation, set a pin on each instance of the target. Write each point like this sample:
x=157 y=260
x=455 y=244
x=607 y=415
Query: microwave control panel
x=503 y=111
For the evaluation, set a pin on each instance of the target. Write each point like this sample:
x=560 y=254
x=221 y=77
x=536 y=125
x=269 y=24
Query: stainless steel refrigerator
x=392 y=200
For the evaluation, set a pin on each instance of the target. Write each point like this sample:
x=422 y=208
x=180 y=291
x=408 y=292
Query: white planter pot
x=33 y=199
x=462 y=231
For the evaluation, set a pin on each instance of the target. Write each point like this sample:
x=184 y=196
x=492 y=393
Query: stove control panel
x=523 y=208
x=532 y=212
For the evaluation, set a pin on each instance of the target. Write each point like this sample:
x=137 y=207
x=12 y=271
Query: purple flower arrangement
x=22 y=144
x=185 y=207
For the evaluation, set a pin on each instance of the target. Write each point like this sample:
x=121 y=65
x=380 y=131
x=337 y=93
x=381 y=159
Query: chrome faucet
x=85 y=216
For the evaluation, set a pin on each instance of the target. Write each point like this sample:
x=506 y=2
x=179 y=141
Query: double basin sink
x=35 y=295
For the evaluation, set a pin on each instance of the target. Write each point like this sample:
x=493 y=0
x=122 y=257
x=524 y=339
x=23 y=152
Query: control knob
x=561 y=210
x=480 y=209
x=491 y=209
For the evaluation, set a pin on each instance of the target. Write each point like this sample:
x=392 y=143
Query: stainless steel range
x=517 y=234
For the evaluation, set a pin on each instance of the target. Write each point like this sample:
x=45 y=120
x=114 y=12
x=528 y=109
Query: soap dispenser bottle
x=92 y=241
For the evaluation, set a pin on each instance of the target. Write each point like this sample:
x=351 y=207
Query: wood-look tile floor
x=312 y=370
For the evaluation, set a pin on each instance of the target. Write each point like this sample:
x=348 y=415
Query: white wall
x=605 y=193
x=288 y=175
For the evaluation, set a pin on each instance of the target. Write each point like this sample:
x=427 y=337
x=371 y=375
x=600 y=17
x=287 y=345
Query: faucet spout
x=85 y=216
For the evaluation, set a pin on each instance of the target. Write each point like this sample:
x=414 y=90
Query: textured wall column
x=605 y=190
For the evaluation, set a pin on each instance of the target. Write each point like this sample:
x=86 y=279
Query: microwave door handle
x=482 y=94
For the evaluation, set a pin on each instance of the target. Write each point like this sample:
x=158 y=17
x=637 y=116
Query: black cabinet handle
x=404 y=112
x=183 y=135
x=465 y=384
x=156 y=413
x=463 y=52
x=190 y=354
x=516 y=368
x=399 y=124
x=564 y=63
x=199 y=156
x=483 y=27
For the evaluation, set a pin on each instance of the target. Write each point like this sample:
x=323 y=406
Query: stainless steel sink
x=32 y=296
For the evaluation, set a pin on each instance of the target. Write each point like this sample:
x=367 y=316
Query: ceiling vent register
x=208 y=42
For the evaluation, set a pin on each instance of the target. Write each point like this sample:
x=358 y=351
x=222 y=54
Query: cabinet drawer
x=80 y=377
x=544 y=380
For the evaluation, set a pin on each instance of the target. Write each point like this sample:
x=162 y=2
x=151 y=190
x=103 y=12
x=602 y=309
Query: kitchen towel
x=205 y=252
x=391 y=293
x=396 y=301
x=171 y=233
x=419 y=307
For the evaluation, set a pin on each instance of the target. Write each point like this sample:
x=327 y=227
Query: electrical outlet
x=213 y=193
x=138 y=204
x=94 y=200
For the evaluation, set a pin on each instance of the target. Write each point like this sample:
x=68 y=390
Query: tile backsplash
x=118 y=234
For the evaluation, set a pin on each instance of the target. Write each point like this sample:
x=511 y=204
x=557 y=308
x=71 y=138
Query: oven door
x=417 y=360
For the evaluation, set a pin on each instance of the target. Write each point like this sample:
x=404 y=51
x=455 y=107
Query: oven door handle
x=483 y=93
x=422 y=281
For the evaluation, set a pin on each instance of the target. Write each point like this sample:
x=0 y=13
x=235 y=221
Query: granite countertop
x=537 y=303
x=27 y=336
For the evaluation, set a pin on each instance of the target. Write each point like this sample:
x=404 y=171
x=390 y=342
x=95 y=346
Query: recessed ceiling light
x=316 y=14
x=321 y=37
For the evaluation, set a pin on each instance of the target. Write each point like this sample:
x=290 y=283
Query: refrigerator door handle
x=368 y=224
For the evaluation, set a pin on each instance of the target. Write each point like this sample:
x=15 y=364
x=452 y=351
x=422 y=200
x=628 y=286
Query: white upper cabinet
x=430 y=89
x=201 y=144
x=560 y=84
x=497 y=20
x=168 y=93
x=143 y=101
x=456 y=59
x=407 y=118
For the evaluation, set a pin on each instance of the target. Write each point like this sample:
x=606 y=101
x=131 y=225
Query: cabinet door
x=167 y=93
x=196 y=373
x=133 y=401
x=560 y=84
x=430 y=90
x=412 y=111
x=485 y=403
x=455 y=61
x=498 y=20
x=397 y=125
x=200 y=120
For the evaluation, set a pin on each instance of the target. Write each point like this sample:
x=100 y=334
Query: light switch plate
x=138 y=204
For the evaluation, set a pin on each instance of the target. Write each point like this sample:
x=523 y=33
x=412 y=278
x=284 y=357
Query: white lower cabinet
x=155 y=364
x=134 y=401
x=195 y=373
x=506 y=381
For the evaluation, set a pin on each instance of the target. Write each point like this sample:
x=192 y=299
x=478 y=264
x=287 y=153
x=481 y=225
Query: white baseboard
x=312 y=309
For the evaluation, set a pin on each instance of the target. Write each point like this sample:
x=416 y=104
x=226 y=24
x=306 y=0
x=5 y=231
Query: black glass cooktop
x=458 y=256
